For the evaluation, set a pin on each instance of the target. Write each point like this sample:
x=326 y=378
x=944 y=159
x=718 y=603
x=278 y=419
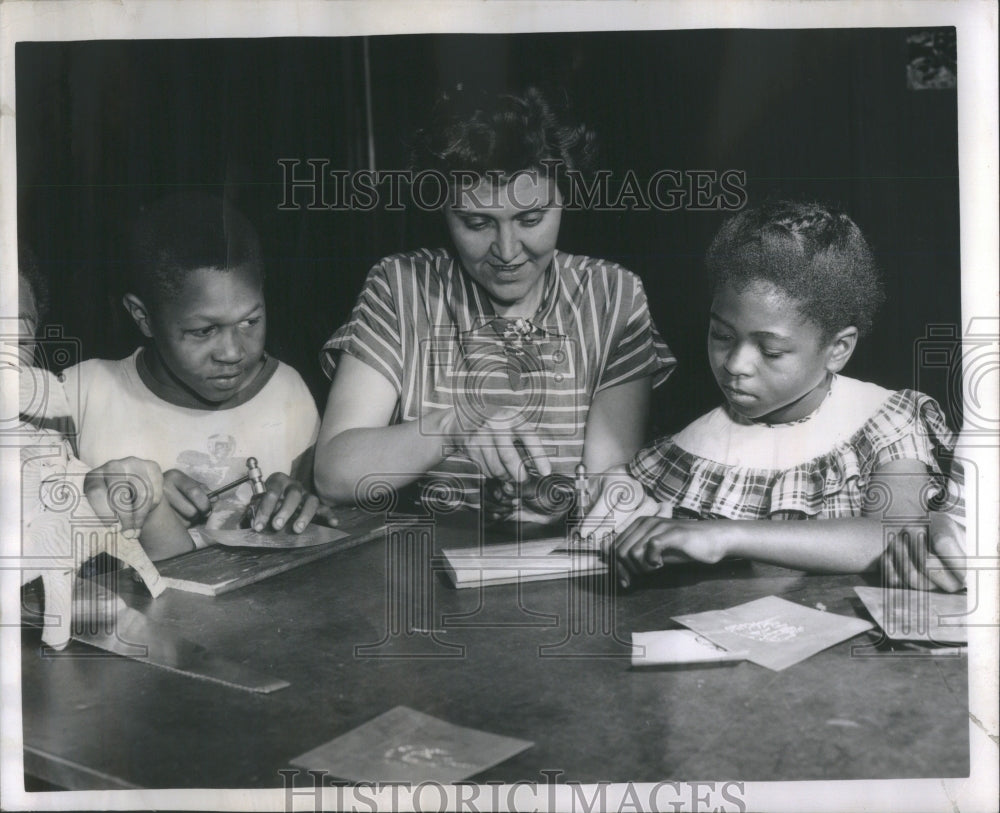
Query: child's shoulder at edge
x=94 y=370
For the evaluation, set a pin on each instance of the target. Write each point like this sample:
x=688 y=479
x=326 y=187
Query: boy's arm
x=132 y=492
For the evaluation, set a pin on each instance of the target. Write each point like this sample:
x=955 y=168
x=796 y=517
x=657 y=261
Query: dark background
x=104 y=127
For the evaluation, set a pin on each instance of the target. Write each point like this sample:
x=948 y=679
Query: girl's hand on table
x=927 y=559
x=620 y=499
x=650 y=542
x=507 y=501
x=500 y=500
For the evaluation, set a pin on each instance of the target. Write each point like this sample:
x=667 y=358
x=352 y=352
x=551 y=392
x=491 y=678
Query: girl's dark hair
x=817 y=255
x=29 y=270
x=501 y=134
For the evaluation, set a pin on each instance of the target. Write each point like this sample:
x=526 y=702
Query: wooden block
x=537 y=560
x=219 y=569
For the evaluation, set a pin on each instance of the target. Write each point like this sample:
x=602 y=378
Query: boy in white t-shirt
x=202 y=396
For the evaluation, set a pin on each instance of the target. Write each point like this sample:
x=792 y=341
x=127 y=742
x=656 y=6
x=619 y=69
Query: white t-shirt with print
x=117 y=415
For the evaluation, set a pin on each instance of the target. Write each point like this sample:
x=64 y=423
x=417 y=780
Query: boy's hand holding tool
x=275 y=501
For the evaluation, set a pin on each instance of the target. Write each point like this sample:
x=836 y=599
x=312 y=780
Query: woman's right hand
x=499 y=447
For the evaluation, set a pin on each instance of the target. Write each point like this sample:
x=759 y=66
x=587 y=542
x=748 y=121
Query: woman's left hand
x=500 y=500
x=505 y=500
x=648 y=543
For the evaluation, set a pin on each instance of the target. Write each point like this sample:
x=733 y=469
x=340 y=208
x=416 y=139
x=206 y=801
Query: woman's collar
x=479 y=307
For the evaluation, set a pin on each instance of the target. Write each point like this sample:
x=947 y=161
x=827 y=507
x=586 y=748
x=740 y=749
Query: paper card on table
x=530 y=561
x=917 y=615
x=404 y=745
x=663 y=647
x=774 y=632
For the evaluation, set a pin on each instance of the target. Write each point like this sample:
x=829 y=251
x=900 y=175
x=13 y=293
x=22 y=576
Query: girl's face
x=771 y=363
x=505 y=237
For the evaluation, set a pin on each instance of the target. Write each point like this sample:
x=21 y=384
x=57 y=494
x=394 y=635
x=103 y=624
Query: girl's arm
x=850 y=545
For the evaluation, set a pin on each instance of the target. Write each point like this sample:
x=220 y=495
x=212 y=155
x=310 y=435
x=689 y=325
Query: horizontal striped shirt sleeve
x=372 y=334
x=638 y=350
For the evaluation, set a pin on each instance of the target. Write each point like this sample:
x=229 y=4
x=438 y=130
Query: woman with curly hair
x=490 y=364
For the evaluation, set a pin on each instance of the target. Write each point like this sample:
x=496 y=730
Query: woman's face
x=505 y=236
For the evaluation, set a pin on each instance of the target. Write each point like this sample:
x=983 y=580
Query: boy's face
x=210 y=336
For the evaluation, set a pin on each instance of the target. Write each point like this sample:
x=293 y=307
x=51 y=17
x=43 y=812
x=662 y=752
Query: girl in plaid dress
x=795 y=286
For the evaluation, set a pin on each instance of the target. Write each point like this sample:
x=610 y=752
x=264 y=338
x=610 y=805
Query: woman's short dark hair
x=816 y=254
x=498 y=135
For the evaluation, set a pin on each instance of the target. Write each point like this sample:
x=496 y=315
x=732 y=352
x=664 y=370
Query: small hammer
x=253 y=476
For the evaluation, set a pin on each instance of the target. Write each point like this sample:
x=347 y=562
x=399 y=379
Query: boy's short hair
x=473 y=130
x=816 y=254
x=183 y=232
x=29 y=270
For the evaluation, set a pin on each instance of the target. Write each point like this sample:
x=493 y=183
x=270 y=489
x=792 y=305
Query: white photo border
x=976 y=23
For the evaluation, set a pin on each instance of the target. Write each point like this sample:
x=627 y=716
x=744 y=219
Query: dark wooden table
x=378 y=626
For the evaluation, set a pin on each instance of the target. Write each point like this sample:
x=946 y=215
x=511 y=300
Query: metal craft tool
x=582 y=492
x=253 y=476
x=577 y=542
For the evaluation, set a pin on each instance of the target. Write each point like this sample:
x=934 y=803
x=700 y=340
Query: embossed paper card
x=403 y=745
x=917 y=615
x=772 y=631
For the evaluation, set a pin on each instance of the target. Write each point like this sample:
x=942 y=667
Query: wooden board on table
x=537 y=560
x=219 y=569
